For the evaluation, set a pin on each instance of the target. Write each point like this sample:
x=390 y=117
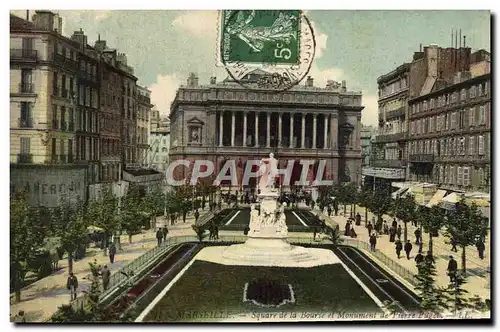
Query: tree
x=349 y=193
x=132 y=213
x=26 y=237
x=431 y=219
x=154 y=204
x=457 y=294
x=465 y=224
x=334 y=236
x=405 y=209
x=433 y=297
x=103 y=212
x=365 y=198
x=71 y=227
x=381 y=204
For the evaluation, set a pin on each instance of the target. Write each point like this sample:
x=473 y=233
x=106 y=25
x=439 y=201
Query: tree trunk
x=463 y=260
x=354 y=212
x=130 y=238
x=18 y=282
x=345 y=209
x=70 y=262
x=366 y=216
x=430 y=243
x=405 y=236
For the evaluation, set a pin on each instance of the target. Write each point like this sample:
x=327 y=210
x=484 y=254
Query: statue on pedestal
x=268 y=170
x=281 y=221
x=254 y=219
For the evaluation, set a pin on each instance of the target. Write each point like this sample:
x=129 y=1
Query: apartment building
x=143 y=128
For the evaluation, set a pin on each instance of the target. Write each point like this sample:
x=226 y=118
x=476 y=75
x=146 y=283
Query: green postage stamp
x=260 y=36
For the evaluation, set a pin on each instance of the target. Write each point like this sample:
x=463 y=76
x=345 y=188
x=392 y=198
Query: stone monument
x=267 y=243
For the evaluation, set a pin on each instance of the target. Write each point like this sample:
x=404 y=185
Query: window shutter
x=481 y=145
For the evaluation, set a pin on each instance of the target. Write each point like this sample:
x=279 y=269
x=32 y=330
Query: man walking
x=453 y=243
x=480 y=248
x=72 y=285
x=452 y=269
x=106 y=274
x=358 y=219
x=159 y=236
x=419 y=259
x=112 y=252
x=398 y=232
x=165 y=233
x=373 y=242
x=392 y=234
x=196 y=216
x=399 y=247
x=370 y=228
x=408 y=248
x=418 y=236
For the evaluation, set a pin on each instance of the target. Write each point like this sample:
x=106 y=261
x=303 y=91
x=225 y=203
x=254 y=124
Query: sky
x=356 y=46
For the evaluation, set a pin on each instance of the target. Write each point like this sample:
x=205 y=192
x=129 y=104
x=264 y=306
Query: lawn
x=215 y=290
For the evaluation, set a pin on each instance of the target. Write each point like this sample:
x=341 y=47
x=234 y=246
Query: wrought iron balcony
x=395 y=113
x=390 y=137
x=23 y=54
x=392 y=163
x=26 y=87
x=61 y=60
x=26 y=123
x=422 y=158
x=24 y=158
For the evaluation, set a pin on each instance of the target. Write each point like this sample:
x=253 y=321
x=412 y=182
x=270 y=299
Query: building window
x=472 y=112
x=480 y=175
x=466 y=176
x=481 y=145
x=454 y=97
x=462 y=146
x=425 y=106
x=452 y=175
x=463 y=94
x=459 y=176
x=481 y=115
x=480 y=90
x=431 y=103
x=472 y=146
x=446 y=121
x=25 y=145
x=472 y=92
x=453 y=120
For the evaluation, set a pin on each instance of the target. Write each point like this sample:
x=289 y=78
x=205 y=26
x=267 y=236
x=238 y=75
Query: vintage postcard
x=250 y=166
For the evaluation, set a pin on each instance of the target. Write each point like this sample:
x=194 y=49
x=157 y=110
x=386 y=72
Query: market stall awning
x=399 y=192
x=438 y=197
x=452 y=198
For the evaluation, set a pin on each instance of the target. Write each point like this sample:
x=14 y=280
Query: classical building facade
x=143 y=112
x=223 y=121
x=450 y=132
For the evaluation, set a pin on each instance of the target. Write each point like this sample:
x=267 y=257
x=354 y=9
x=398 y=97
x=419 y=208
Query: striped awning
x=438 y=197
x=399 y=192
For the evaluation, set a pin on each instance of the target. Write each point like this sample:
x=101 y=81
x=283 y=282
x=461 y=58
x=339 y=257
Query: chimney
x=100 y=45
x=80 y=37
x=27 y=15
x=45 y=20
x=309 y=82
x=344 y=88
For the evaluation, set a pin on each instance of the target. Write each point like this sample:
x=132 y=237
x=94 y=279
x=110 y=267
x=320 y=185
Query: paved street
x=477 y=281
x=41 y=299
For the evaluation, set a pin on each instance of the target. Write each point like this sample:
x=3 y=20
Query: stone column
x=221 y=127
x=334 y=131
x=280 y=130
x=256 y=129
x=314 y=130
x=325 y=136
x=291 y=130
x=233 y=120
x=358 y=132
x=268 y=129
x=303 y=131
x=245 y=129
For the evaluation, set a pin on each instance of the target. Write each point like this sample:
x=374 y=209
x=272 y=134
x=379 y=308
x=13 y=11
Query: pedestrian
x=418 y=235
x=347 y=231
x=419 y=259
x=329 y=210
x=314 y=233
x=353 y=233
x=105 y=277
x=196 y=216
x=480 y=248
x=394 y=223
x=399 y=247
x=211 y=230
x=392 y=234
x=216 y=232
x=246 y=230
x=408 y=248
x=72 y=285
x=429 y=258
x=165 y=233
x=453 y=243
x=112 y=253
x=358 y=219
x=20 y=318
x=373 y=242
x=385 y=228
x=159 y=236
x=452 y=269
x=398 y=232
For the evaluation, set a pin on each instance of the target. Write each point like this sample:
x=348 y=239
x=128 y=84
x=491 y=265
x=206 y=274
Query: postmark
x=266 y=49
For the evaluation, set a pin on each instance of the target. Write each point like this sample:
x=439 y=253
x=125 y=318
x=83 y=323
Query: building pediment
x=195 y=121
